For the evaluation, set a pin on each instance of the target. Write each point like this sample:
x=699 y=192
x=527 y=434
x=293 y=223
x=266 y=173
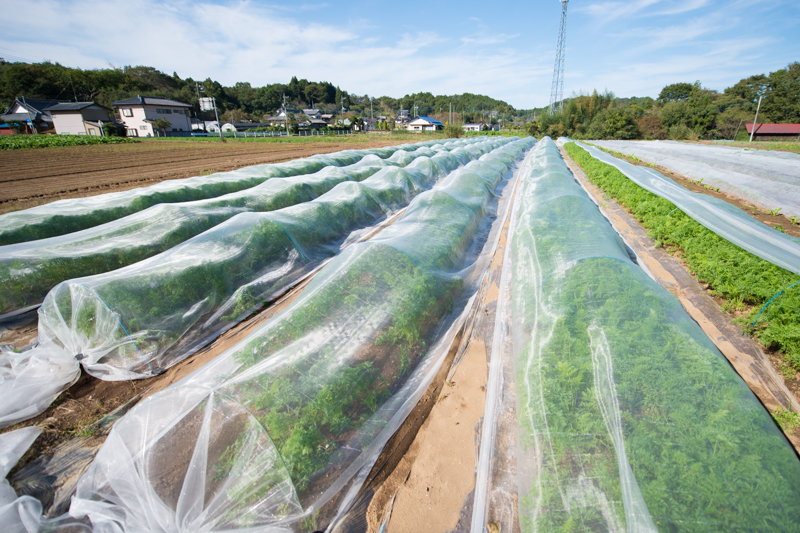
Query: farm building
x=768 y=132
x=471 y=127
x=33 y=109
x=138 y=114
x=79 y=118
x=423 y=123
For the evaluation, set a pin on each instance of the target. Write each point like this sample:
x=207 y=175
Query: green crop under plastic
x=731 y=273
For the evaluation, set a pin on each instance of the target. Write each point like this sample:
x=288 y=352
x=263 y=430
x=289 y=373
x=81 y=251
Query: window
x=132 y=132
x=143 y=127
x=127 y=112
x=164 y=111
x=92 y=131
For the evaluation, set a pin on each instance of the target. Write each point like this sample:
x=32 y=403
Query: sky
x=504 y=49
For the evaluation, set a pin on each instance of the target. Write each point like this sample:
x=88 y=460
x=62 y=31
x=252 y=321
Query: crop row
x=30 y=270
x=17 y=142
x=70 y=215
x=136 y=321
x=629 y=417
x=281 y=422
x=732 y=273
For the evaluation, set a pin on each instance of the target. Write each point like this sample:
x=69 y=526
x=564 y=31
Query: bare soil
x=38 y=176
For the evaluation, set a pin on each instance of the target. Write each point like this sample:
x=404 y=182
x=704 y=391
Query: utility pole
x=557 y=89
x=285 y=116
x=219 y=124
x=199 y=107
x=755 y=120
x=370 y=109
x=73 y=89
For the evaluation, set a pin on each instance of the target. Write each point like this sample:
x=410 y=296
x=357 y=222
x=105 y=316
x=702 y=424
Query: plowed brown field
x=37 y=176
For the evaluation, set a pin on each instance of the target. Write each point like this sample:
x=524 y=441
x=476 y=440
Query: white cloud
x=242 y=41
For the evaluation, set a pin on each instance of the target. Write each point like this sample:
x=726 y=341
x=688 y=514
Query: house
x=312 y=114
x=277 y=120
x=471 y=127
x=327 y=117
x=768 y=132
x=317 y=123
x=33 y=110
x=79 y=118
x=138 y=114
x=423 y=123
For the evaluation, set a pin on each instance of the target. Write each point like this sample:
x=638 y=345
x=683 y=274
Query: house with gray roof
x=138 y=114
x=33 y=109
x=79 y=118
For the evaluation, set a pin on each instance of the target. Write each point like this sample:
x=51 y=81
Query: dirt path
x=37 y=176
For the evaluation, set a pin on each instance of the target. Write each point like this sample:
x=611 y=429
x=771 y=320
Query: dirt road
x=37 y=176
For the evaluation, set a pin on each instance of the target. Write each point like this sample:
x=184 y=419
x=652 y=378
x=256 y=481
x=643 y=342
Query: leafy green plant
x=732 y=273
x=21 y=142
x=787 y=419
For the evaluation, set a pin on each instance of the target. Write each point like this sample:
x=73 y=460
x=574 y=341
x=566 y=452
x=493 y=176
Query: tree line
x=240 y=102
x=681 y=111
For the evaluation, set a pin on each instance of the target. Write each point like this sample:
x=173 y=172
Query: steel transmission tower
x=557 y=90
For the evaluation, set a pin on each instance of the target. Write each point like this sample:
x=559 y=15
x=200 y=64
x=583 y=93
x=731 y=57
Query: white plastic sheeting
x=23 y=514
x=724 y=219
x=137 y=321
x=67 y=216
x=271 y=434
x=29 y=270
x=627 y=417
x=769 y=179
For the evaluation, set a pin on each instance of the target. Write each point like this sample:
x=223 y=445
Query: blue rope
x=665 y=218
x=770 y=300
x=120 y=324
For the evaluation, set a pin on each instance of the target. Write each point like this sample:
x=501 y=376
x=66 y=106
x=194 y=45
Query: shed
x=768 y=132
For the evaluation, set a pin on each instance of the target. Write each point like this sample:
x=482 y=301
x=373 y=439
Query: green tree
x=161 y=124
x=677 y=92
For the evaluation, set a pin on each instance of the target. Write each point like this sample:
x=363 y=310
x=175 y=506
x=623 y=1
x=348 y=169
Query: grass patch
x=732 y=273
x=19 y=142
x=788 y=146
x=788 y=420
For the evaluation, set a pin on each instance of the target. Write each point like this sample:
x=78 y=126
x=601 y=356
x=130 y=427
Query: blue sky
x=503 y=49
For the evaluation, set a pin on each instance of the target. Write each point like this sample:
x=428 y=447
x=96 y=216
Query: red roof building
x=765 y=132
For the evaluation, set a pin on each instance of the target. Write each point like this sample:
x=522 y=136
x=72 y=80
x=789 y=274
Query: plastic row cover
x=23 y=514
x=724 y=219
x=272 y=430
x=629 y=418
x=66 y=216
x=137 y=321
x=767 y=178
x=29 y=270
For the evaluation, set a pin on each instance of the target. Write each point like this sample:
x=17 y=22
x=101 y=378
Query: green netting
x=274 y=429
x=629 y=418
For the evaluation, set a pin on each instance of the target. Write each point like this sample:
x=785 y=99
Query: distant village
x=153 y=116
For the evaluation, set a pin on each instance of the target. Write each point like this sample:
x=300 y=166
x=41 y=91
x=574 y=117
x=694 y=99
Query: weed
x=787 y=419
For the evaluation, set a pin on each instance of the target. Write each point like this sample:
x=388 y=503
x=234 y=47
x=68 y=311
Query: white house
x=423 y=123
x=139 y=113
x=79 y=118
x=471 y=127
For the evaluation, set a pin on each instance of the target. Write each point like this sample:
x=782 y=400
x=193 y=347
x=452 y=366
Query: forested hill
x=51 y=80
